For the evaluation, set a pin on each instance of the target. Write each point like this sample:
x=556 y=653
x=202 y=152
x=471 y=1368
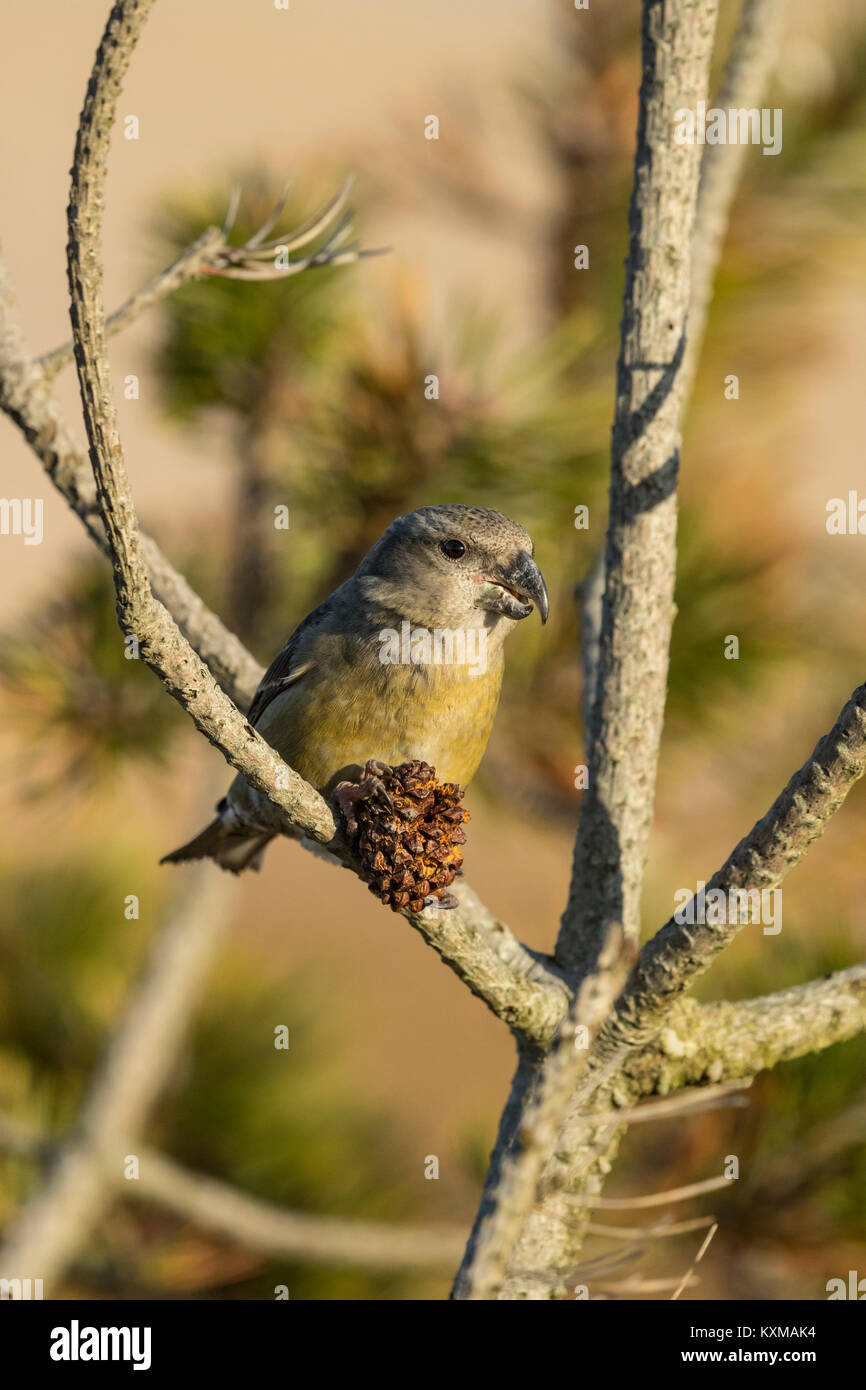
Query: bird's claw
x=348 y=794
x=447 y=901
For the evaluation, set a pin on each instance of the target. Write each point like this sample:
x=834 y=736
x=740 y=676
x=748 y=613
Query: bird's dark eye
x=453 y=549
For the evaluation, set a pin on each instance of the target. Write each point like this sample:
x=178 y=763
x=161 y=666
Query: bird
x=403 y=661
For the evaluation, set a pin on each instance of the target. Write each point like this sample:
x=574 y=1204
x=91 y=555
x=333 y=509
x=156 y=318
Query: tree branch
x=161 y=643
x=702 y=1043
x=29 y=402
x=651 y=1009
x=751 y=58
x=494 y=1242
x=699 y=1045
x=311 y=1239
x=211 y=254
x=640 y=561
x=522 y=987
x=191 y=263
x=679 y=953
x=232 y=1215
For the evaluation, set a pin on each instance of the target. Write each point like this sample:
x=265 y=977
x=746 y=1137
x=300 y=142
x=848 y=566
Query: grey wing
x=293 y=661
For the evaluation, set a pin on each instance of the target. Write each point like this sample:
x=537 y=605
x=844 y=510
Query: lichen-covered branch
x=699 y=1045
x=640 y=559
x=495 y=1239
x=725 y=1041
x=750 y=62
x=520 y=986
x=656 y=1041
x=680 y=952
x=161 y=643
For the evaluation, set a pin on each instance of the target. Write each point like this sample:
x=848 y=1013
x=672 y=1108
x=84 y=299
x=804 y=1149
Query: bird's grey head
x=453 y=566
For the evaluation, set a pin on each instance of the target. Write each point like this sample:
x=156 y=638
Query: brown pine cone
x=409 y=829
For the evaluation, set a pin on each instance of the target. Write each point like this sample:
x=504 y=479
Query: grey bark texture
x=640 y=560
x=679 y=953
x=498 y=1238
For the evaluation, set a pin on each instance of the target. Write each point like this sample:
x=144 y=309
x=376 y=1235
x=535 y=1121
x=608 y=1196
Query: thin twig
x=633 y=1286
x=189 y=264
x=687 y=1277
x=652 y=1199
x=662 y=1231
x=691 y=1102
x=211 y=254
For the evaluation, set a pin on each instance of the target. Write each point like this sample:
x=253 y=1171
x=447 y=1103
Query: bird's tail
x=231 y=849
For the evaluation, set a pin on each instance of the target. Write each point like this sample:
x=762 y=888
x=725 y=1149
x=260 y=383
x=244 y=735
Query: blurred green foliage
x=82 y=708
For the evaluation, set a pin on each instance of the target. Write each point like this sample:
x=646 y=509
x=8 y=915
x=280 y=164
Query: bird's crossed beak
x=513 y=588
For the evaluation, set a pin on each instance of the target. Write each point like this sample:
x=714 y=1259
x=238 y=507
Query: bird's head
x=455 y=566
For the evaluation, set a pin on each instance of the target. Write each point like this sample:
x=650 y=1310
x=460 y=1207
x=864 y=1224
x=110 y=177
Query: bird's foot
x=447 y=901
x=348 y=794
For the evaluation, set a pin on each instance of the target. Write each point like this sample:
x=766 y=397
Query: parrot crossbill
x=404 y=661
